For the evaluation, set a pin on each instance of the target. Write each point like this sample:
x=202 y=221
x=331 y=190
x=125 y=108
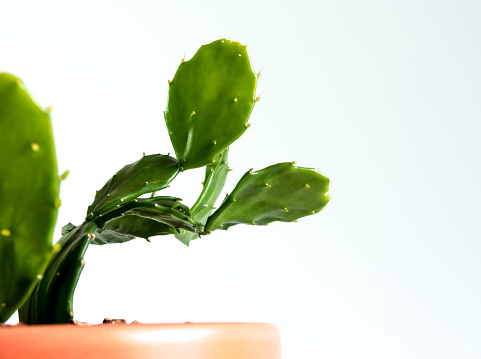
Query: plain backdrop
x=383 y=97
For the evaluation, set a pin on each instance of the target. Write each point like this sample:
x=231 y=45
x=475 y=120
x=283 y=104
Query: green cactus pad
x=210 y=100
x=128 y=227
x=149 y=174
x=282 y=192
x=51 y=302
x=29 y=189
x=173 y=214
x=215 y=176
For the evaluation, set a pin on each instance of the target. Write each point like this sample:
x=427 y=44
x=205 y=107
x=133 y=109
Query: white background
x=382 y=96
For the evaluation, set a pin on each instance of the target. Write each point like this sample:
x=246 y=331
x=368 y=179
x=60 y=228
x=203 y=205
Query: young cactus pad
x=210 y=100
x=149 y=174
x=282 y=192
x=29 y=189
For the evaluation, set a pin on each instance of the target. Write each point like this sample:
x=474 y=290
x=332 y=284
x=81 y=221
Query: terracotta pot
x=142 y=341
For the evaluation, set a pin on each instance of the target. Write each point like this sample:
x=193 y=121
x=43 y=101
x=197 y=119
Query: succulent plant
x=209 y=103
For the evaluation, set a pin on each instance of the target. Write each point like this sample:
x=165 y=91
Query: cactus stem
x=6 y=232
x=35 y=147
x=307 y=186
x=39 y=276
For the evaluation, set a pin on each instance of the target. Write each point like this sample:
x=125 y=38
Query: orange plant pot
x=142 y=341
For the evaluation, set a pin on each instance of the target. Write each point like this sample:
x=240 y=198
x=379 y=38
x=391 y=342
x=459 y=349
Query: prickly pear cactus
x=29 y=189
x=282 y=192
x=210 y=100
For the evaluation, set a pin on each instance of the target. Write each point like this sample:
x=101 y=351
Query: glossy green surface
x=215 y=176
x=149 y=174
x=29 y=189
x=282 y=192
x=51 y=301
x=210 y=100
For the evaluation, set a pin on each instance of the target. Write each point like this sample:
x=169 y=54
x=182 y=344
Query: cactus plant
x=210 y=99
x=29 y=189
